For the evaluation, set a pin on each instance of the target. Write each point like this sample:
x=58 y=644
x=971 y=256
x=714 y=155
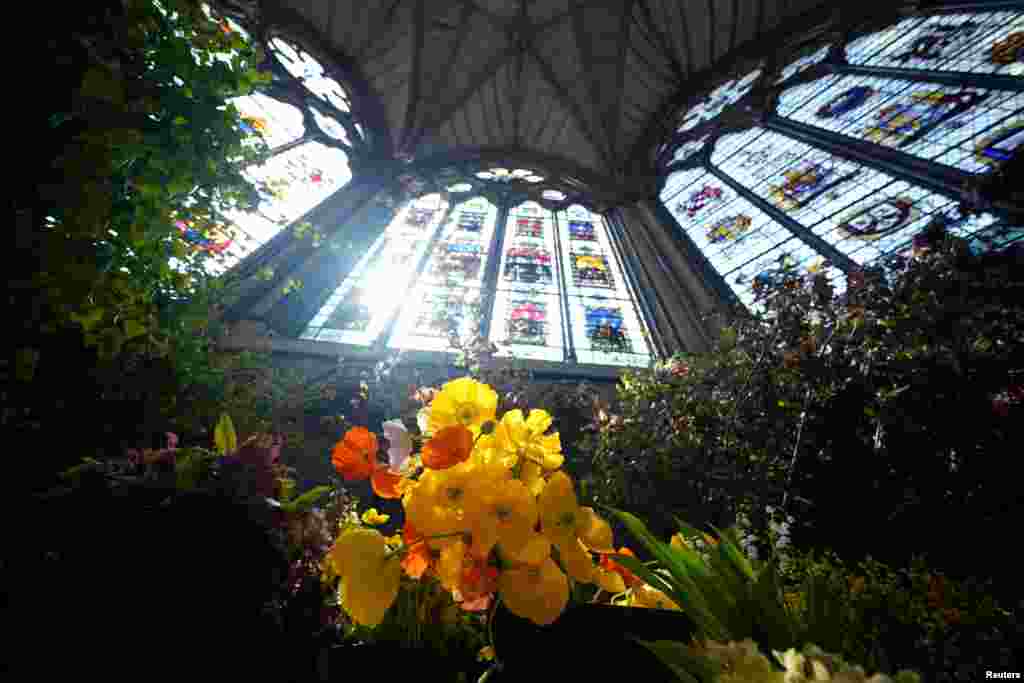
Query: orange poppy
x=448 y=448
x=386 y=483
x=355 y=456
x=420 y=559
x=608 y=564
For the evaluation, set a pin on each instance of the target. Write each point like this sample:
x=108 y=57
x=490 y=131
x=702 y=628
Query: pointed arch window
x=542 y=285
x=787 y=197
x=307 y=160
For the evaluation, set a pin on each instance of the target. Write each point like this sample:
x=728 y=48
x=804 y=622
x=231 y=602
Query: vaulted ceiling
x=573 y=80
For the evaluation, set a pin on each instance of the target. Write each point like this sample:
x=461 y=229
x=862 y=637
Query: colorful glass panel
x=460 y=257
x=862 y=212
x=800 y=65
x=688 y=149
x=435 y=316
x=983 y=42
x=968 y=128
x=294 y=181
x=278 y=123
x=527 y=314
x=608 y=332
x=721 y=97
x=360 y=308
x=606 y=327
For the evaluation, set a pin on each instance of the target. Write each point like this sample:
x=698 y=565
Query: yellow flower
x=465 y=402
x=520 y=437
x=369 y=578
x=532 y=477
x=449 y=566
x=535 y=592
x=438 y=503
x=374 y=518
x=566 y=524
x=501 y=511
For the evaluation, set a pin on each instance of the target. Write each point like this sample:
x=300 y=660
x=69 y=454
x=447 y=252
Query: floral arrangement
x=488 y=512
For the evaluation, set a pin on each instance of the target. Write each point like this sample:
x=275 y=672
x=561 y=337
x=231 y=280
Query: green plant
x=818 y=404
x=732 y=598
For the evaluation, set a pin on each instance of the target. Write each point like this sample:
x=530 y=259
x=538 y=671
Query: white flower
x=423 y=421
x=400 y=444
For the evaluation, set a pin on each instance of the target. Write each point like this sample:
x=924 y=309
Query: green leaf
x=682 y=587
x=90 y=319
x=188 y=469
x=307 y=499
x=224 y=435
x=133 y=328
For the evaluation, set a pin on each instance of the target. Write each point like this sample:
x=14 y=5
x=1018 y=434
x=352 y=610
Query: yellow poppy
x=536 y=549
x=369 y=578
x=532 y=476
x=535 y=592
x=449 y=565
x=565 y=524
x=465 y=402
x=502 y=511
x=523 y=437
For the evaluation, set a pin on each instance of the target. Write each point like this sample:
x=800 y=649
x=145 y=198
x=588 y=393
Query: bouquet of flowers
x=488 y=512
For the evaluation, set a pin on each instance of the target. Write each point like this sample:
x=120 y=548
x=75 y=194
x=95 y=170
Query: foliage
x=908 y=618
x=737 y=606
x=820 y=405
x=146 y=138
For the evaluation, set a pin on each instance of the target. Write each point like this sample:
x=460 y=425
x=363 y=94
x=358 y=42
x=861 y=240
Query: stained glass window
x=984 y=42
x=290 y=184
x=969 y=128
x=439 y=272
x=688 y=149
x=605 y=325
x=527 y=308
x=861 y=211
x=720 y=98
x=800 y=65
x=360 y=308
x=740 y=241
x=450 y=289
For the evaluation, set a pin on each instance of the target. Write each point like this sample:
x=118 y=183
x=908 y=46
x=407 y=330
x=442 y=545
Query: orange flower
x=386 y=483
x=611 y=565
x=448 y=448
x=355 y=456
x=420 y=559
